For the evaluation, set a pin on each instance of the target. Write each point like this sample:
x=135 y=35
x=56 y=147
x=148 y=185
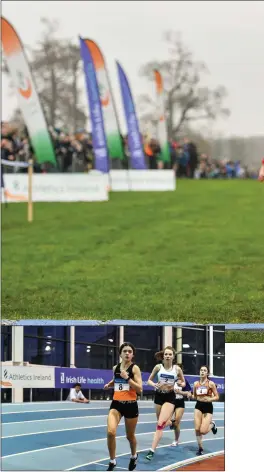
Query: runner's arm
x=215 y=396
x=112 y=382
x=194 y=396
x=181 y=377
x=136 y=384
x=153 y=375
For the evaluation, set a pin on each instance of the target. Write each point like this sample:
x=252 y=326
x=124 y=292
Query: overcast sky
x=228 y=36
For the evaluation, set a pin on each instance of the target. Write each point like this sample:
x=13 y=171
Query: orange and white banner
x=28 y=99
x=162 y=128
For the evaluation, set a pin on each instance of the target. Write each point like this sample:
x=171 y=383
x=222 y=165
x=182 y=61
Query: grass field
x=196 y=254
x=244 y=337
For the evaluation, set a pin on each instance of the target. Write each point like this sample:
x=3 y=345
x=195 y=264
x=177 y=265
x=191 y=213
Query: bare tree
x=186 y=100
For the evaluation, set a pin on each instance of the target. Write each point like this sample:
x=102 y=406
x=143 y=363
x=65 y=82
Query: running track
x=67 y=436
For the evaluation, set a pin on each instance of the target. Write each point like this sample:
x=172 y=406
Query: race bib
x=166 y=379
x=202 y=391
x=121 y=385
x=178 y=395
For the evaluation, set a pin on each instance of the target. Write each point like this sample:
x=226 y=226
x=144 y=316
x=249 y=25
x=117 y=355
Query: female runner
x=205 y=392
x=127 y=383
x=180 y=393
x=167 y=374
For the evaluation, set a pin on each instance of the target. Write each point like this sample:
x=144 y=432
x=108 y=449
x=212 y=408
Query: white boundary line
x=188 y=407
x=87 y=427
x=68 y=409
x=92 y=416
x=80 y=417
x=141 y=450
x=192 y=460
x=89 y=441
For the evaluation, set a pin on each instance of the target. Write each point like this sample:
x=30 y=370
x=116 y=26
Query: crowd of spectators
x=74 y=153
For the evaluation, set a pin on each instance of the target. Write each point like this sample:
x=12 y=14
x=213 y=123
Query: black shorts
x=179 y=403
x=161 y=398
x=126 y=409
x=204 y=407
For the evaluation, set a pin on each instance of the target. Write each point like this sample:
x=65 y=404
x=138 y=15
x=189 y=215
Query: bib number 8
x=120 y=387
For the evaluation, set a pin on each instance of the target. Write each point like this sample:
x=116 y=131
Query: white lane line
x=189 y=407
x=59 y=419
x=83 y=427
x=80 y=417
x=72 y=418
x=65 y=409
x=141 y=450
x=84 y=442
x=68 y=429
x=59 y=409
x=192 y=460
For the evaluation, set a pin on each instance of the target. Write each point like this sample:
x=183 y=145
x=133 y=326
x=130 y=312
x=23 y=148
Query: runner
x=167 y=374
x=205 y=392
x=181 y=393
x=127 y=383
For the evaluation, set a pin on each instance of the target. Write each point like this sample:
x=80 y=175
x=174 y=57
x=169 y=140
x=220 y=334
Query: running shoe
x=111 y=466
x=199 y=452
x=172 y=426
x=150 y=455
x=175 y=443
x=133 y=463
x=214 y=428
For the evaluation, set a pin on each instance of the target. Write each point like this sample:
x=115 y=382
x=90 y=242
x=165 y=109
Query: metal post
x=30 y=200
x=121 y=337
x=31 y=395
x=167 y=336
x=17 y=356
x=90 y=394
x=179 y=345
x=211 y=350
x=121 y=334
x=207 y=346
x=61 y=394
x=72 y=346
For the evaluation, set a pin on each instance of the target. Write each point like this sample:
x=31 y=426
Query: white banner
x=142 y=180
x=56 y=188
x=28 y=99
x=27 y=377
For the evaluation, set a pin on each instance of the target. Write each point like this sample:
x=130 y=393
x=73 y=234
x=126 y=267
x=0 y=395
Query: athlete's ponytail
x=159 y=356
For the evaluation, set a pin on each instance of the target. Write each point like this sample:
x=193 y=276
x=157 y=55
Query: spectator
x=76 y=395
x=74 y=153
x=191 y=150
x=183 y=158
x=173 y=155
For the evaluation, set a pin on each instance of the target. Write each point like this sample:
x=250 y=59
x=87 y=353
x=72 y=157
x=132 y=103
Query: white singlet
x=167 y=377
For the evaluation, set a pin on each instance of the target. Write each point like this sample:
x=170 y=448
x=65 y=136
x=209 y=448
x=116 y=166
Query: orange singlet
x=123 y=392
x=203 y=390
